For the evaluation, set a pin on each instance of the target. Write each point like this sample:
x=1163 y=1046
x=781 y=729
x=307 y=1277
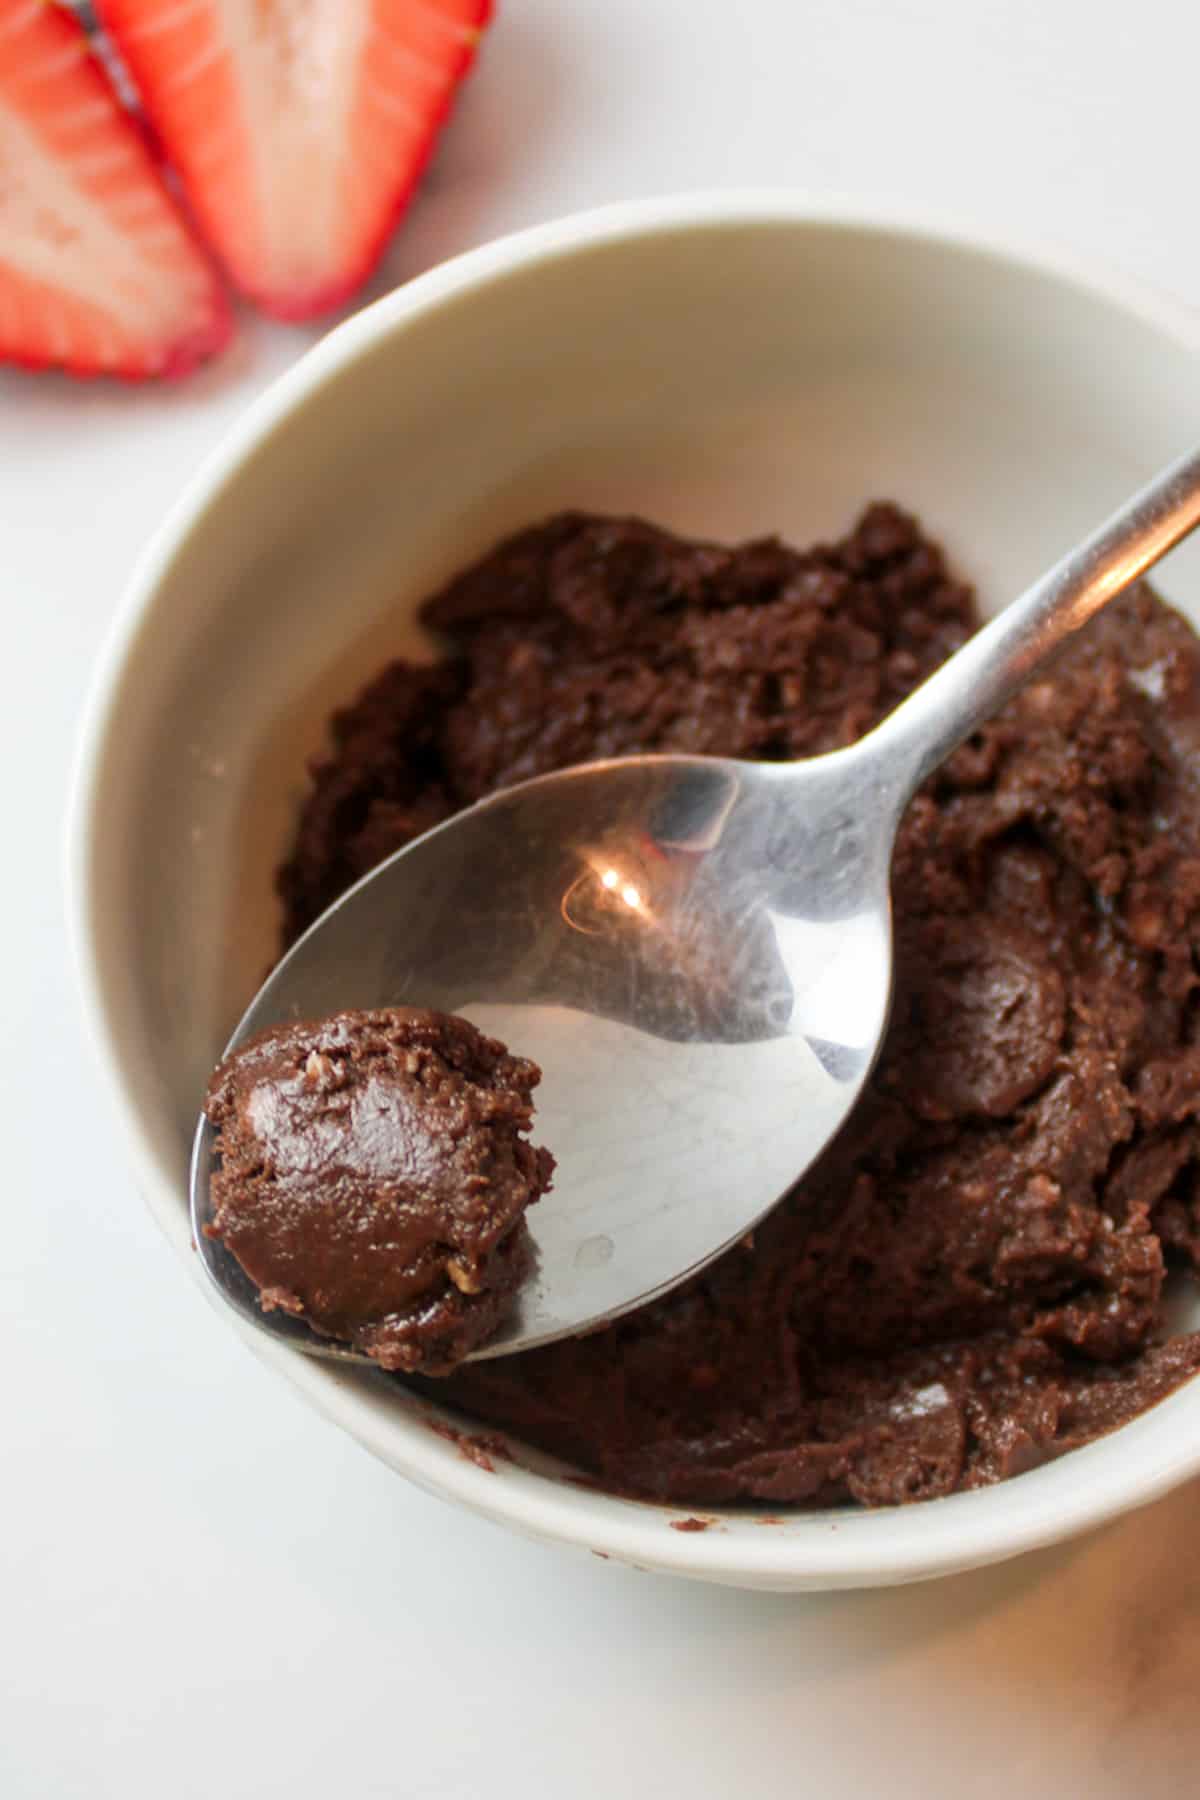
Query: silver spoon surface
x=698 y=952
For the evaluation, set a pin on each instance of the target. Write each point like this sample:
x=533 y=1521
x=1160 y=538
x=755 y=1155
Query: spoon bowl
x=696 y=951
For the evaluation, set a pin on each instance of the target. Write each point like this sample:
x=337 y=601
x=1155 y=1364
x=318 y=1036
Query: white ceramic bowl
x=724 y=364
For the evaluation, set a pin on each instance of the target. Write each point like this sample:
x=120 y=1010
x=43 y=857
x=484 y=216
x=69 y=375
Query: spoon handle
x=989 y=669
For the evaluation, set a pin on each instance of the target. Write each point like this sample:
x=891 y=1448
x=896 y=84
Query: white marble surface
x=206 y=1590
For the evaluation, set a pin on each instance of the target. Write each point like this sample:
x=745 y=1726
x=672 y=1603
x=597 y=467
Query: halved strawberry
x=299 y=127
x=98 y=272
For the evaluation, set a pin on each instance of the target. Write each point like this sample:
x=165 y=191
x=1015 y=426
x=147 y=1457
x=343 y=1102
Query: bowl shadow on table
x=1106 y=1627
x=1077 y=1661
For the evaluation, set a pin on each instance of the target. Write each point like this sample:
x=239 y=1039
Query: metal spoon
x=697 y=951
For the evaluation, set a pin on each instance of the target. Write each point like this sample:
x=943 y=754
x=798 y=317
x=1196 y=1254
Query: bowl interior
x=724 y=377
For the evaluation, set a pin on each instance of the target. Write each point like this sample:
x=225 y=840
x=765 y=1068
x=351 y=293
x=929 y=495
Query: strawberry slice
x=98 y=272
x=299 y=127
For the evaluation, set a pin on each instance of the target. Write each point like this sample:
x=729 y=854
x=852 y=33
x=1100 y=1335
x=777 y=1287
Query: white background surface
x=205 y=1590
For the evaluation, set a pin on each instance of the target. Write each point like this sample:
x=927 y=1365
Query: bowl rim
x=825 y=1549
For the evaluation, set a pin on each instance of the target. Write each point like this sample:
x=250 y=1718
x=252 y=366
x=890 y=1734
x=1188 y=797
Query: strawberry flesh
x=298 y=127
x=98 y=271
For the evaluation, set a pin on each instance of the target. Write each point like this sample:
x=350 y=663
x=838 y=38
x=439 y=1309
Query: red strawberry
x=97 y=270
x=299 y=127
